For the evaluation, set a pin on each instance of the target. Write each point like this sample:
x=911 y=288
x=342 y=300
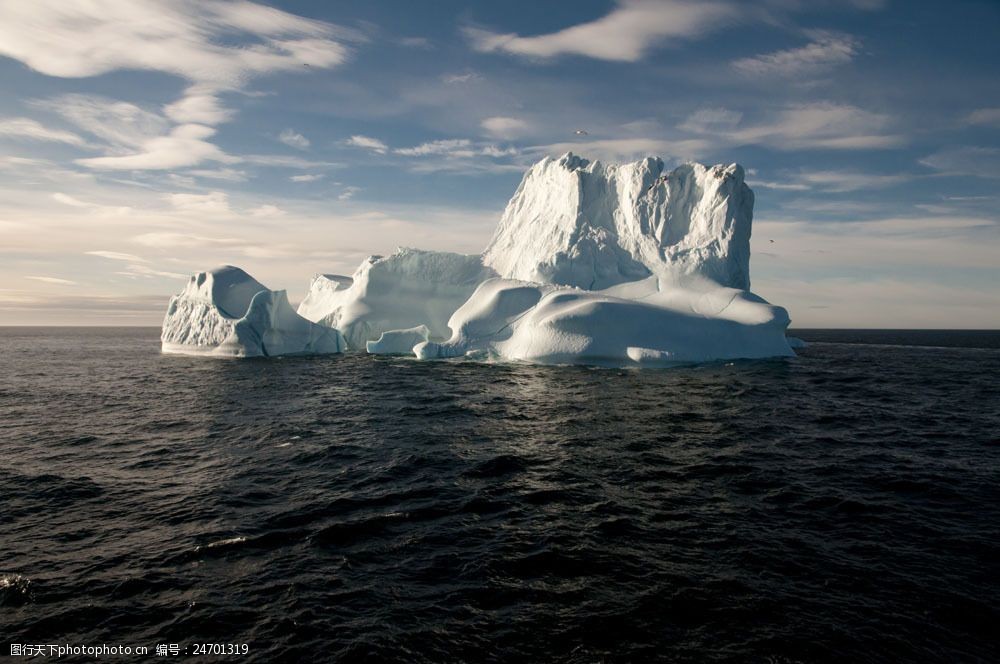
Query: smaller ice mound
x=399 y=342
x=226 y=312
x=405 y=290
x=650 y=322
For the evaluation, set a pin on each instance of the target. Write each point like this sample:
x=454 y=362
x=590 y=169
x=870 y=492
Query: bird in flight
x=581 y=132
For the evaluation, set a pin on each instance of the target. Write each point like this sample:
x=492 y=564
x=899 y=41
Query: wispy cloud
x=625 y=34
x=214 y=203
x=802 y=126
x=119 y=123
x=984 y=116
x=307 y=177
x=826 y=51
x=368 y=143
x=965 y=161
x=116 y=256
x=457 y=79
x=26 y=128
x=834 y=181
x=185 y=146
x=146 y=272
x=505 y=127
x=458 y=147
x=348 y=193
x=54 y=280
x=216 y=46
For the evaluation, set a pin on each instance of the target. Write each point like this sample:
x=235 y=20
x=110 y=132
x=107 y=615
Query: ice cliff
x=597 y=263
x=227 y=312
x=582 y=223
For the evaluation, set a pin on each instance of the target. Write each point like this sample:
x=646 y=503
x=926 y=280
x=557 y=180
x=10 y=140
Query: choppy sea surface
x=843 y=505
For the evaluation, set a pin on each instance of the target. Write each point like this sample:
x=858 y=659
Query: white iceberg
x=397 y=292
x=226 y=312
x=628 y=264
x=398 y=342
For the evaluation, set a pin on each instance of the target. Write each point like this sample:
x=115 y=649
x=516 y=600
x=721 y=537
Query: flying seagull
x=581 y=132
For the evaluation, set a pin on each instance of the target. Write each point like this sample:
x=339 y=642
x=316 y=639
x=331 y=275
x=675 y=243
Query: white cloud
x=625 y=34
x=307 y=177
x=214 y=203
x=803 y=126
x=66 y=199
x=54 y=280
x=184 y=146
x=984 y=116
x=216 y=46
x=504 y=127
x=117 y=122
x=453 y=146
x=198 y=105
x=826 y=51
x=191 y=39
x=294 y=139
x=496 y=152
x=966 y=161
x=117 y=256
x=348 y=193
x=453 y=79
x=267 y=211
x=144 y=271
x=368 y=143
x=26 y=128
x=835 y=181
x=227 y=174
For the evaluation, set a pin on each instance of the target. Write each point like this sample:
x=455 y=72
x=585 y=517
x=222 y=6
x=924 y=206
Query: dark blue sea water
x=840 y=506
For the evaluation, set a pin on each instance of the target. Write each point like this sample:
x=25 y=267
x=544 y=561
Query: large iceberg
x=405 y=290
x=628 y=264
x=226 y=312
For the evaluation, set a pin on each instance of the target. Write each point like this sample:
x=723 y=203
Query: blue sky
x=141 y=141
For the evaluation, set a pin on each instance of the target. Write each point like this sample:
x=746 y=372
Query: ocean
x=843 y=505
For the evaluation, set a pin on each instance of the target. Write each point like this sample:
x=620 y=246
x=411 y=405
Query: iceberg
x=626 y=264
x=397 y=292
x=226 y=312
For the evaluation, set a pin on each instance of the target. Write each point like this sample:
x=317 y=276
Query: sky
x=142 y=141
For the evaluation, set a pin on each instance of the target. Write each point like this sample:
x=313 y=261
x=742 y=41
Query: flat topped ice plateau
x=624 y=264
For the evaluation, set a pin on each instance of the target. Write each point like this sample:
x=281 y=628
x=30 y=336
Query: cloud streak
x=626 y=34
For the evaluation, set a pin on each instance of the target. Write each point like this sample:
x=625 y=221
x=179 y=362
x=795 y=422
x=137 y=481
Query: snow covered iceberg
x=226 y=312
x=405 y=290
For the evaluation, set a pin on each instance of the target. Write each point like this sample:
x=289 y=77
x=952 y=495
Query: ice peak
x=582 y=223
